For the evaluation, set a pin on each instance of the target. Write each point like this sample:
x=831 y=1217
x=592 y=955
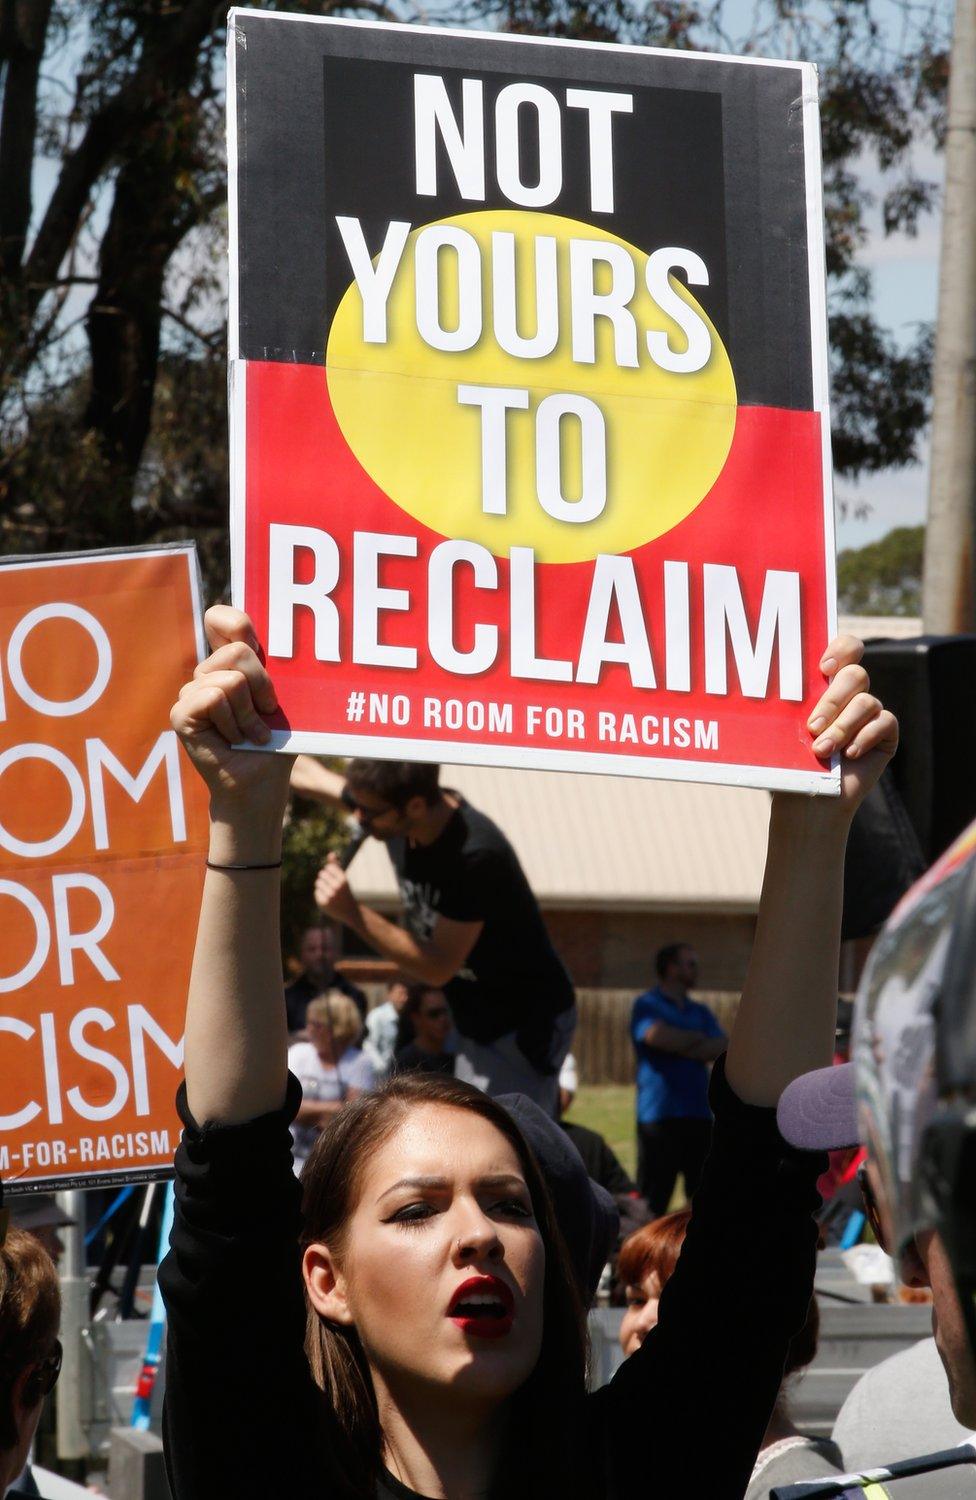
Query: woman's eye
x=412 y=1213
x=514 y=1207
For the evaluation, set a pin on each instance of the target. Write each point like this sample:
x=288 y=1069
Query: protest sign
x=530 y=449
x=103 y=837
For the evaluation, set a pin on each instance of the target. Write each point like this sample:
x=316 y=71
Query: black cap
x=585 y=1212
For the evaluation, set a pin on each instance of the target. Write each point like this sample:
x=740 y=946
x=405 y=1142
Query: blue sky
x=906 y=276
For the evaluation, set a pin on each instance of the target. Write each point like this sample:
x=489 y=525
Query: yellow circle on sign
x=454 y=435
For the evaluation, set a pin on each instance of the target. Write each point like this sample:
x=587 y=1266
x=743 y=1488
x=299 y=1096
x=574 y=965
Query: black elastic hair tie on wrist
x=276 y=865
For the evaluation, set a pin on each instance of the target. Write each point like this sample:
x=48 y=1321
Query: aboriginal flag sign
x=530 y=442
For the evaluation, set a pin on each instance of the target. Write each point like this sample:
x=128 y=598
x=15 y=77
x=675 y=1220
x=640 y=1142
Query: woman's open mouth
x=484 y=1307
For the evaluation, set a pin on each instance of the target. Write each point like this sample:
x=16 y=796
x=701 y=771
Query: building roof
x=619 y=842
x=882 y=627
x=610 y=841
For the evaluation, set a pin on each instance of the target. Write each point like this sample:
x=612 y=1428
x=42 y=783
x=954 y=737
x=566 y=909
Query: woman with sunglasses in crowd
x=30 y=1354
x=412 y=1327
x=426 y=1023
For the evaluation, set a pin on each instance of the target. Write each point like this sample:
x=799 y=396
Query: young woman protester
x=412 y=1326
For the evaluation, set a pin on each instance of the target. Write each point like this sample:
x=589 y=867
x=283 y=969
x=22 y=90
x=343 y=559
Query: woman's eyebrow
x=430 y=1183
x=439 y=1184
x=503 y=1179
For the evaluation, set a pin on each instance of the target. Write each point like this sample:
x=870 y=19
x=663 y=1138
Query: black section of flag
x=672 y=139
x=711 y=160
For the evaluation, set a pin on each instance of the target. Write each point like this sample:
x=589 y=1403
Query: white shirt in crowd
x=324 y=1082
x=382 y=1026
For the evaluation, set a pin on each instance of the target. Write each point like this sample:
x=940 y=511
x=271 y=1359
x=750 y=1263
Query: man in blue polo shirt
x=674 y=1038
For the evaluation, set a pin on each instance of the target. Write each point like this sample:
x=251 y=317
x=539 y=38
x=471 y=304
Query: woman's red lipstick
x=484 y=1307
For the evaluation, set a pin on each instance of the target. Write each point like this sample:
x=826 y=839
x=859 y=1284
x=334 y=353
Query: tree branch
x=211 y=340
x=23 y=31
x=86 y=163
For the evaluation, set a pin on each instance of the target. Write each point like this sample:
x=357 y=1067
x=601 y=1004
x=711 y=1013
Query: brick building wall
x=615 y=949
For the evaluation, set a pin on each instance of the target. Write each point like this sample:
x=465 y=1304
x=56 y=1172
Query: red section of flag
x=764 y=512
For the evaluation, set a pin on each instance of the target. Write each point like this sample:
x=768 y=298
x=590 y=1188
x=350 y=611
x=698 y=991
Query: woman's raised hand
x=221 y=707
x=849 y=719
x=235 y=984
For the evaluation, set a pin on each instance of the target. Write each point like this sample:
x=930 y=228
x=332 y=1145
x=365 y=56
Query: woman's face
x=443 y=1264
x=329 y=1045
x=641 y=1314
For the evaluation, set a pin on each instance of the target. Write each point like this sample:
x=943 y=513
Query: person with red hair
x=647 y=1259
x=646 y=1264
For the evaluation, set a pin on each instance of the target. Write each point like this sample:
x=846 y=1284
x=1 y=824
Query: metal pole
x=949 y=579
x=74 y=1389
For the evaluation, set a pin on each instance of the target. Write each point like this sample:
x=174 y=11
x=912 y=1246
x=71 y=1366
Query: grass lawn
x=610 y=1110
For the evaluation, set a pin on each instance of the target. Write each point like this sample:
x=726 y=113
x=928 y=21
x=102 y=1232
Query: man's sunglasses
x=437 y=1014
x=44 y=1376
x=368 y=814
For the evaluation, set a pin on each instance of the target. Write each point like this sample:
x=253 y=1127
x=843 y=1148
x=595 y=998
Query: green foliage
x=885 y=577
x=880 y=393
x=310 y=833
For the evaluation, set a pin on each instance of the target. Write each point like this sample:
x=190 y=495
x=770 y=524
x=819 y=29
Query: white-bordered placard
x=530 y=446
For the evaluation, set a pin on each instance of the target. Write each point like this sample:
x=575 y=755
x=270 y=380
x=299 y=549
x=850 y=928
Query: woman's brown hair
x=654 y=1247
x=30 y=1312
x=536 y=1449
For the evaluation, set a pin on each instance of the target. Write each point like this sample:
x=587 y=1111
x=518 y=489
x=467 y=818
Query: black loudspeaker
x=928 y=794
x=930 y=683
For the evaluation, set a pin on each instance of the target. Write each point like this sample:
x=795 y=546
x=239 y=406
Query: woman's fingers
x=225 y=624
x=848 y=717
x=200 y=709
x=238 y=658
x=879 y=733
x=222 y=701
x=854 y=717
x=848 y=683
x=236 y=688
x=239 y=689
x=843 y=651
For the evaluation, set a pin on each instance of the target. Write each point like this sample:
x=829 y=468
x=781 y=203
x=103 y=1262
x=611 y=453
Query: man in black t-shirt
x=472 y=924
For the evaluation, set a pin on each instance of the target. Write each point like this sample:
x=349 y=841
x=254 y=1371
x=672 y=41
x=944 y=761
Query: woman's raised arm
x=236 y=1033
x=786 y=1020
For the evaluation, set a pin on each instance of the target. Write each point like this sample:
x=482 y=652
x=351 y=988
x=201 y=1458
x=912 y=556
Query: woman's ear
x=326 y=1285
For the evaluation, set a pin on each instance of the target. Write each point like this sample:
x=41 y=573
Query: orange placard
x=103 y=833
